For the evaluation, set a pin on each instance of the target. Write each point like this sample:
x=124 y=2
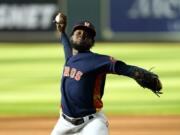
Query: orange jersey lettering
x=72 y=73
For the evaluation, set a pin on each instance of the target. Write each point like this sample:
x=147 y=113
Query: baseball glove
x=148 y=79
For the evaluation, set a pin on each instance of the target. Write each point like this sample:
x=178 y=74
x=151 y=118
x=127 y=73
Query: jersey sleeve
x=67 y=46
x=110 y=66
x=119 y=67
x=105 y=63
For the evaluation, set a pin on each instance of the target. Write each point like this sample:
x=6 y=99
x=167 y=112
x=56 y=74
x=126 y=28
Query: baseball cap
x=85 y=25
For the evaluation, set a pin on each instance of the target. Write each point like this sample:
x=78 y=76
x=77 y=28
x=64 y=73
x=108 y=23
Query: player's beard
x=84 y=44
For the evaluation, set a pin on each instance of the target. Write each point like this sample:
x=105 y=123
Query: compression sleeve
x=122 y=68
x=67 y=46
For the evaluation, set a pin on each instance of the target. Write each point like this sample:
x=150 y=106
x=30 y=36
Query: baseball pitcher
x=83 y=81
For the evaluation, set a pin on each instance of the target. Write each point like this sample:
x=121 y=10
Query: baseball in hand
x=57 y=18
x=60 y=21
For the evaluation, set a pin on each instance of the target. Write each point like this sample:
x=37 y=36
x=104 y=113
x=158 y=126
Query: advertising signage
x=141 y=19
x=27 y=15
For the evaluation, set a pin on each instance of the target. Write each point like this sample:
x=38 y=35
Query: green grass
x=30 y=79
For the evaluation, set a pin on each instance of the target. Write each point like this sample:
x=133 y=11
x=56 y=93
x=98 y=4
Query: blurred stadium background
x=145 y=33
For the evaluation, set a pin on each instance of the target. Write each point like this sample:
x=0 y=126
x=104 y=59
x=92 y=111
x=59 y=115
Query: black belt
x=76 y=121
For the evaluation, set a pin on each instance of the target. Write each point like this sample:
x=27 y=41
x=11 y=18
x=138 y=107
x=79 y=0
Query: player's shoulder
x=103 y=57
x=100 y=55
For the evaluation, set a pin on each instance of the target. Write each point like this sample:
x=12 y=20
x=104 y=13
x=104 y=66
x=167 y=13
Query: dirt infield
x=119 y=125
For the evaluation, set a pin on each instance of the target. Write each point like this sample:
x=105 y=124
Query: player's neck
x=75 y=52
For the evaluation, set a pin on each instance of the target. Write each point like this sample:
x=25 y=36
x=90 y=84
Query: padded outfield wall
x=115 y=20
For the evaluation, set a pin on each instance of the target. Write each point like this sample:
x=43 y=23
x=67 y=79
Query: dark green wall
x=78 y=10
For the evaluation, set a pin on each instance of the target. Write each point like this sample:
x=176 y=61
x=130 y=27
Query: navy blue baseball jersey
x=83 y=80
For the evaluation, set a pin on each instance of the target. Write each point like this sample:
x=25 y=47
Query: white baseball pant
x=95 y=126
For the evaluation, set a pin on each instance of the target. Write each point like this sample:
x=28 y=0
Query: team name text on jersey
x=72 y=73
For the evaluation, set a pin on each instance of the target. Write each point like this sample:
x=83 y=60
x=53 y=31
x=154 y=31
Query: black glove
x=149 y=80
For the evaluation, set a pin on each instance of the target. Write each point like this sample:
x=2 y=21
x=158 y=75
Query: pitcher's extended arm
x=61 y=22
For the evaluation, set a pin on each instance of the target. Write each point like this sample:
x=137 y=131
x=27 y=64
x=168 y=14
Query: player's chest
x=77 y=70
